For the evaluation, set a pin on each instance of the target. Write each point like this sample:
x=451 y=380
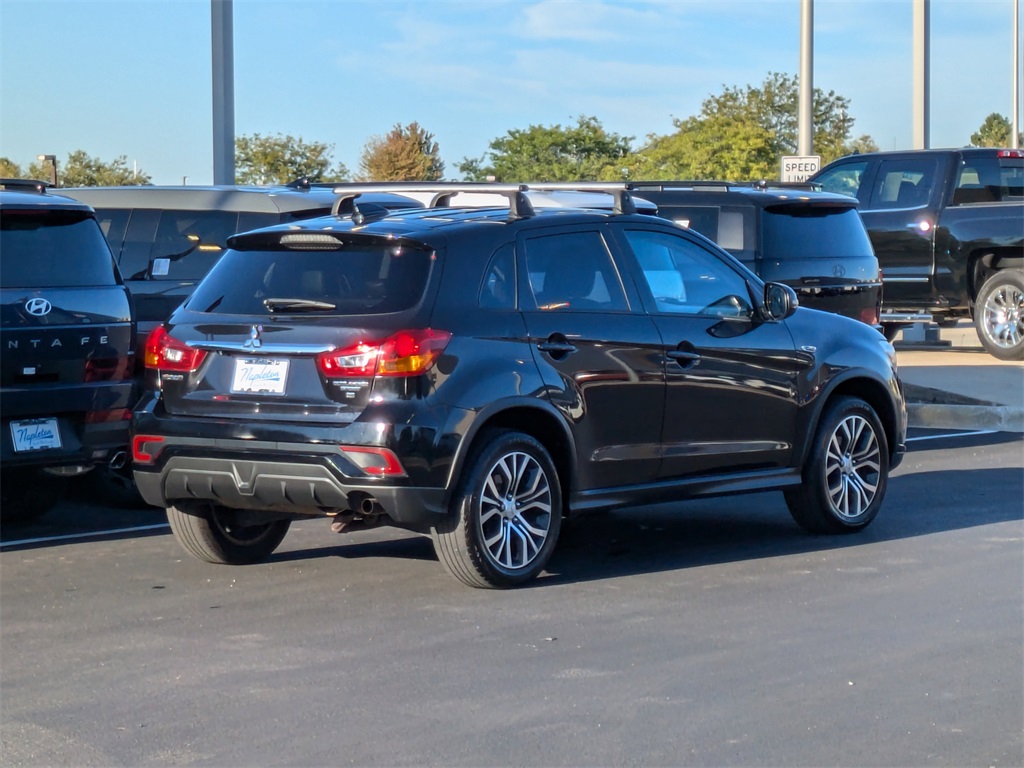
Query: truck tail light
x=145 y=448
x=166 y=353
x=406 y=353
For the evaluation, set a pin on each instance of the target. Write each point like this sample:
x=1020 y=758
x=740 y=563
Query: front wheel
x=217 y=534
x=845 y=479
x=999 y=314
x=504 y=520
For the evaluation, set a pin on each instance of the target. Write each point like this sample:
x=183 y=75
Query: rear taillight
x=1010 y=153
x=145 y=448
x=166 y=353
x=406 y=353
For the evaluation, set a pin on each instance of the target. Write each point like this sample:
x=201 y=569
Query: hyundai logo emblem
x=839 y=270
x=38 y=307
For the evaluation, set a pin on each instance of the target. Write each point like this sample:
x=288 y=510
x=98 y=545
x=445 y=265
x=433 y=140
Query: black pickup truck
x=947 y=226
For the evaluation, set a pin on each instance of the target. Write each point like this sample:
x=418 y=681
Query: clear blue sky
x=134 y=78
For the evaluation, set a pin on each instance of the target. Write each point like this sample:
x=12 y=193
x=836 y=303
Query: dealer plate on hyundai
x=259 y=376
x=35 y=435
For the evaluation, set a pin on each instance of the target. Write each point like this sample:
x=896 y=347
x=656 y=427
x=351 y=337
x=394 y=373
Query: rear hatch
x=300 y=326
x=65 y=315
x=823 y=252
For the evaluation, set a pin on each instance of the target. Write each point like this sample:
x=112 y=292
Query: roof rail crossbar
x=620 y=191
x=519 y=205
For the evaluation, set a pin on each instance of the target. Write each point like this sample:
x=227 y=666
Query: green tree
x=585 y=151
x=406 y=153
x=82 y=170
x=280 y=159
x=743 y=133
x=10 y=169
x=994 y=132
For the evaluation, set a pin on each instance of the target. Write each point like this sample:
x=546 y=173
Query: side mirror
x=780 y=301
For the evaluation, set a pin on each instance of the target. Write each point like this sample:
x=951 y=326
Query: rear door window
x=359 y=279
x=989 y=180
x=904 y=182
x=573 y=270
x=53 y=249
x=188 y=243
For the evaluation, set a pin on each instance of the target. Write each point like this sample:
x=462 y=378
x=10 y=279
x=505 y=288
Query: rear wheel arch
x=533 y=419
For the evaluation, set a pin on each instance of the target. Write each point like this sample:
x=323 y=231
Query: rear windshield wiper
x=297 y=305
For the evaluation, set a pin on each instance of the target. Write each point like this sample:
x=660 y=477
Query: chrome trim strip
x=263 y=350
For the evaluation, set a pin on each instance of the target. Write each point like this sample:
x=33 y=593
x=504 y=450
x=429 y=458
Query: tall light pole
x=805 y=117
x=1015 y=122
x=52 y=160
x=922 y=63
x=222 y=36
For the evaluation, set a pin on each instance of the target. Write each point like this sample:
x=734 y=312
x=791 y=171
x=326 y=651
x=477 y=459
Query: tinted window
x=790 y=232
x=53 y=249
x=845 y=179
x=188 y=243
x=353 y=281
x=113 y=223
x=573 y=270
x=904 y=182
x=989 y=180
x=685 y=278
x=730 y=227
x=499 y=287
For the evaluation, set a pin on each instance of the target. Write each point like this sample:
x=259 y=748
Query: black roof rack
x=25 y=185
x=519 y=204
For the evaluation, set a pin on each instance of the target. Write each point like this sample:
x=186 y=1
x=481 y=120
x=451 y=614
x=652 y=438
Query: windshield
x=353 y=281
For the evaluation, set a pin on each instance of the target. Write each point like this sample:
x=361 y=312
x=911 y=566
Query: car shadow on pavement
x=698 y=533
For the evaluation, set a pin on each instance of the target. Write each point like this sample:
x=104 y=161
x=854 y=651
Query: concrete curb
x=1002 y=418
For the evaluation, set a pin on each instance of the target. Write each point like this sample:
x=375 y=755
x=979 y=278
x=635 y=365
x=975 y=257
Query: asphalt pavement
x=951 y=382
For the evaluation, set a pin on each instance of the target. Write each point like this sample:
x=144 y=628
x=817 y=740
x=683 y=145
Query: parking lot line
x=87 y=535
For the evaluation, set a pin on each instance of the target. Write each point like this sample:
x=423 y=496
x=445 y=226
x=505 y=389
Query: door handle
x=685 y=359
x=556 y=348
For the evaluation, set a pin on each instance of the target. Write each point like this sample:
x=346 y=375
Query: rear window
x=53 y=249
x=730 y=227
x=806 y=232
x=354 y=280
x=989 y=180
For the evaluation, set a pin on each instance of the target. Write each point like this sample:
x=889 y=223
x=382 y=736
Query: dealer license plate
x=259 y=376
x=35 y=435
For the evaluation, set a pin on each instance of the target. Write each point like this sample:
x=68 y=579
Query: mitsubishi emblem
x=254 y=341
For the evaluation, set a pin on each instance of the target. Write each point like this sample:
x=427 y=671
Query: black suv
x=813 y=241
x=67 y=338
x=479 y=374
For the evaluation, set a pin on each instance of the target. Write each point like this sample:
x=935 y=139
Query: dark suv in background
x=480 y=373
x=813 y=241
x=67 y=337
x=166 y=239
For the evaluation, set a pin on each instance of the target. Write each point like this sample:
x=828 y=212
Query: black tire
x=210 y=532
x=504 y=520
x=29 y=493
x=845 y=479
x=999 y=314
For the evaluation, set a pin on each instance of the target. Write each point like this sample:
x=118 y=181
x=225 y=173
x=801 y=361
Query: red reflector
x=869 y=315
x=406 y=353
x=166 y=353
x=379 y=462
x=142 y=445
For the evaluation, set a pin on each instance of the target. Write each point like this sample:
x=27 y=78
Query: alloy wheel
x=852 y=467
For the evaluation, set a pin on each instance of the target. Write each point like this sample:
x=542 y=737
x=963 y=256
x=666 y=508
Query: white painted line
x=90 y=534
x=953 y=434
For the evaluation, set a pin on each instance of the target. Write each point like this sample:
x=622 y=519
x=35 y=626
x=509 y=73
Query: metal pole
x=921 y=66
x=805 y=120
x=1015 y=122
x=222 y=34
